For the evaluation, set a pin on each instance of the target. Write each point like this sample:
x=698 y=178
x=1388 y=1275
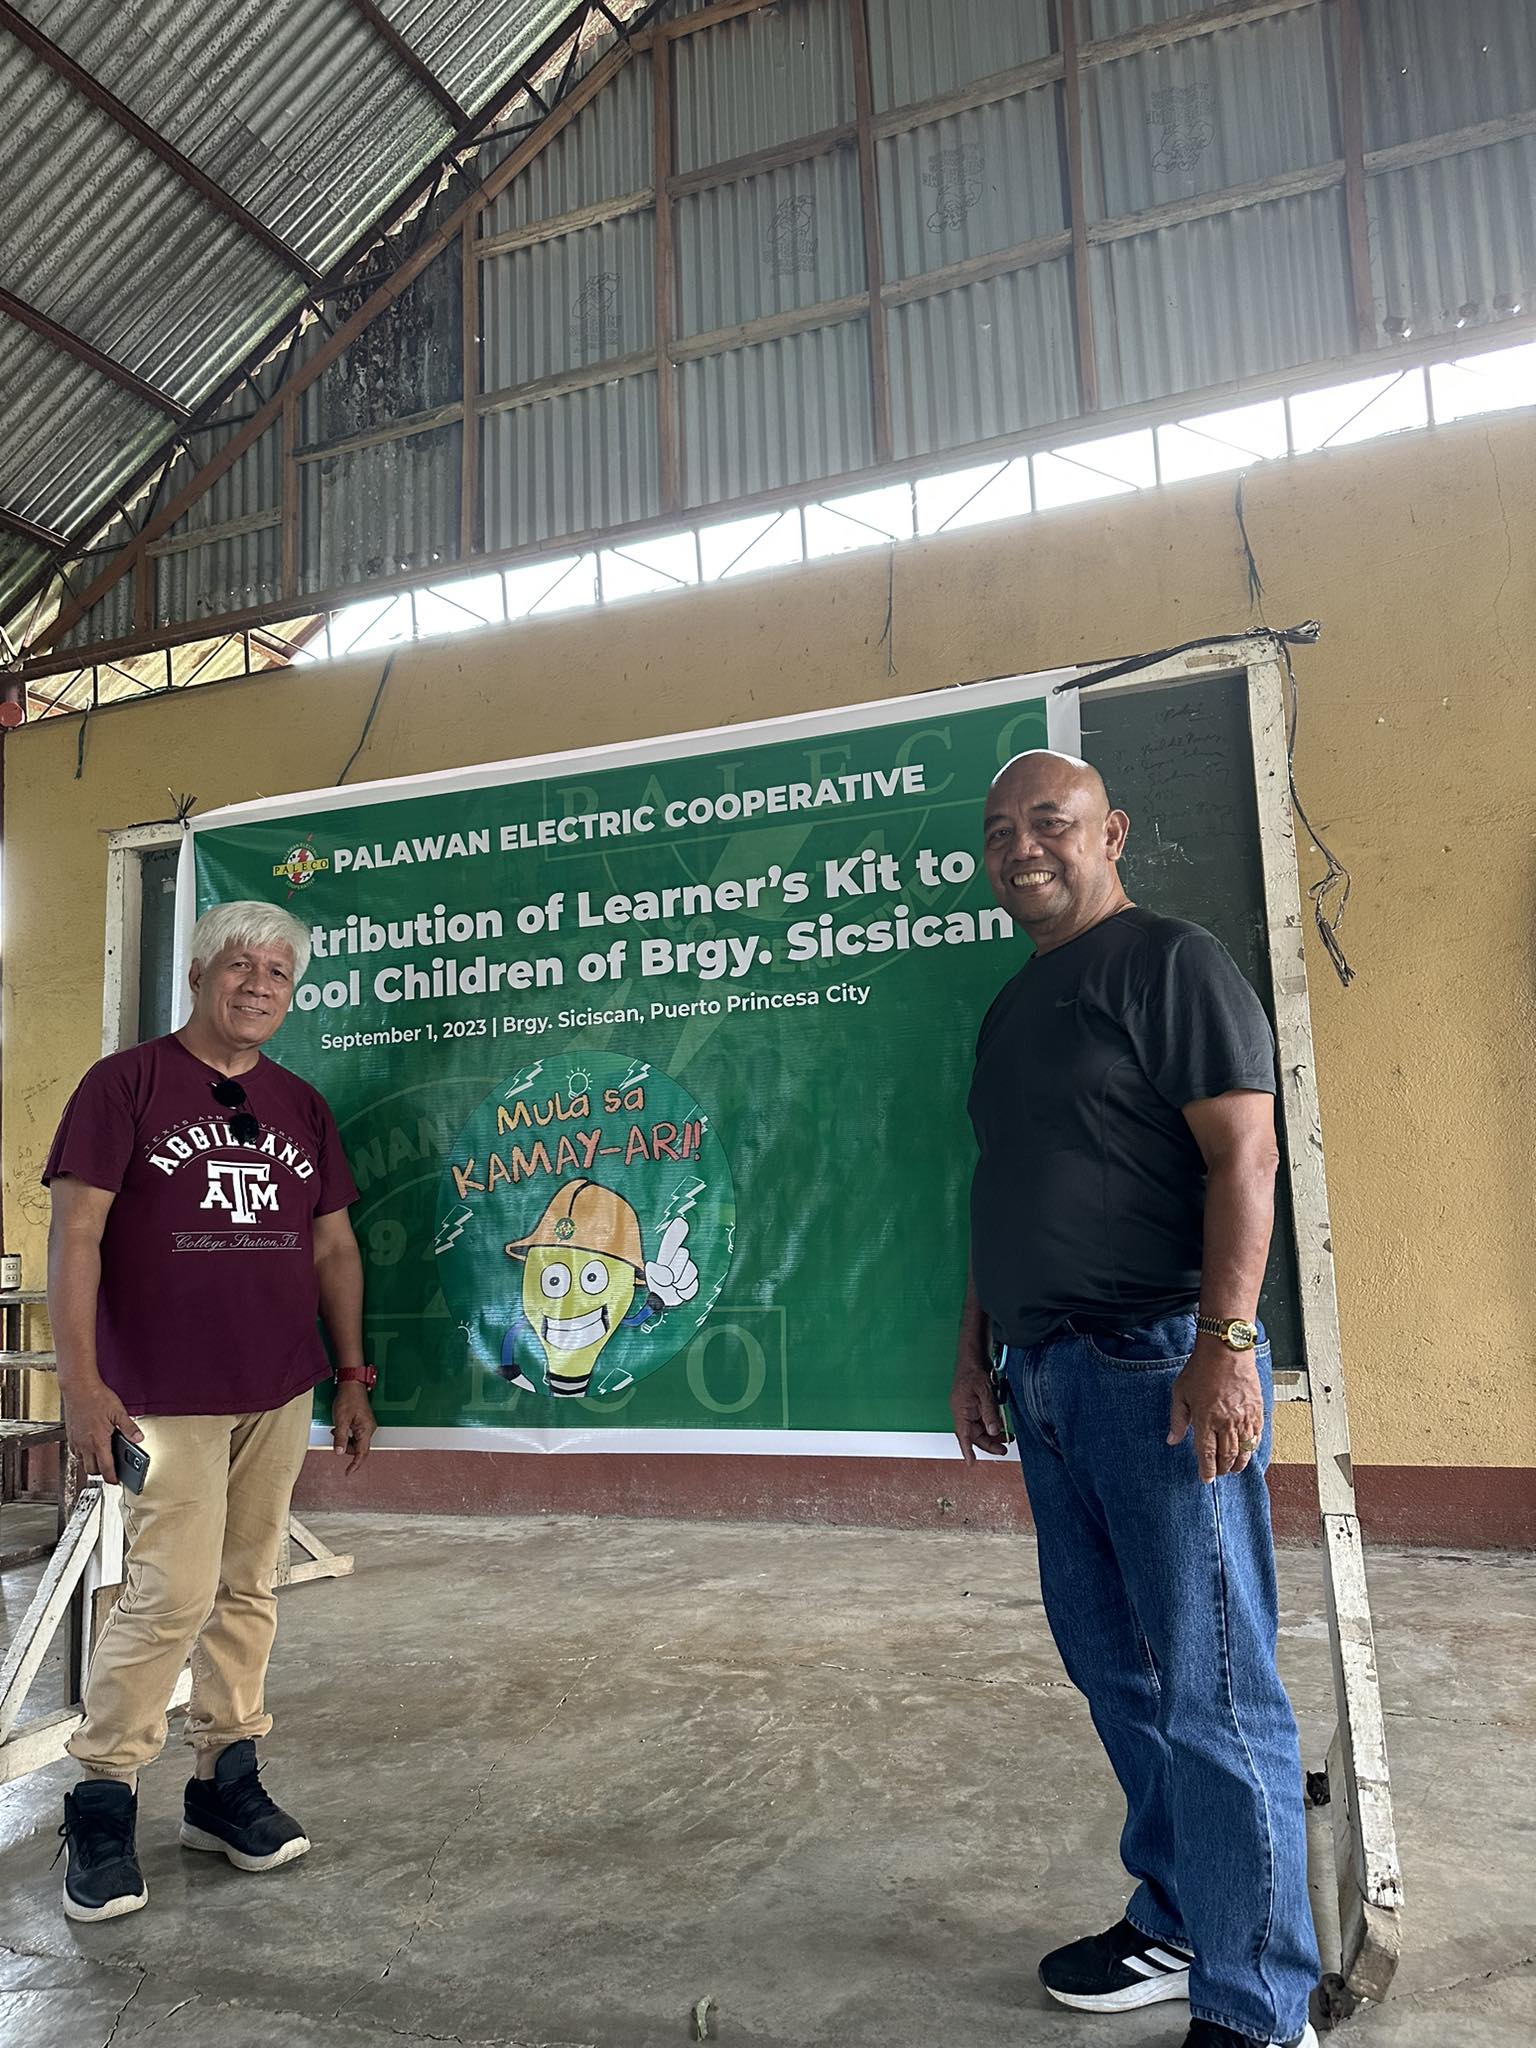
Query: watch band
x=366 y=1375
x=1236 y=1332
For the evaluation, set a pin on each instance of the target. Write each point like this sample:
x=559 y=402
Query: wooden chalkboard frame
x=1355 y=1786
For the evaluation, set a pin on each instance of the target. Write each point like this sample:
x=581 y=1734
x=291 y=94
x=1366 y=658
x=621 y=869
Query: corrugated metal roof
x=53 y=412
x=564 y=465
x=110 y=618
x=759 y=80
x=296 y=107
x=770 y=244
x=225 y=576
x=136 y=264
x=22 y=559
x=1240 y=292
x=577 y=299
x=991 y=358
x=247 y=487
x=370 y=513
x=782 y=412
x=409 y=360
x=918 y=50
x=604 y=152
x=980 y=181
x=1434 y=65
x=1451 y=239
x=465 y=42
x=1176 y=122
x=1115 y=17
x=1179 y=309
x=299 y=110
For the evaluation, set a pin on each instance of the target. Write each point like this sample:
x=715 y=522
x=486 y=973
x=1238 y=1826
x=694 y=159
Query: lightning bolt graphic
x=456 y=1225
x=524 y=1080
x=684 y=1200
x=636 y=1074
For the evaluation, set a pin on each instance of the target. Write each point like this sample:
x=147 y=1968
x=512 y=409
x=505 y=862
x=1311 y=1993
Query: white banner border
x=1063 y=732
x=719 y=1443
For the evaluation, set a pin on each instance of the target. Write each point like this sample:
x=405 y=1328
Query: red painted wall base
x=1463 y=1507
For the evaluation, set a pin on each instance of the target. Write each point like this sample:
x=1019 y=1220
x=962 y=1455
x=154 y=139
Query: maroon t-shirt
x=209 y=1300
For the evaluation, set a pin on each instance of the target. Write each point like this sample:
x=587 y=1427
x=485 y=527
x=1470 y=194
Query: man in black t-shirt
x=1123 y=1103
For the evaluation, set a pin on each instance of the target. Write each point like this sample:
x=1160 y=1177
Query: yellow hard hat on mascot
x=590 y=1218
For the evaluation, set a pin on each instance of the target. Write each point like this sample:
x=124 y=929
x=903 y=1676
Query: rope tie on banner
x=1330 y=893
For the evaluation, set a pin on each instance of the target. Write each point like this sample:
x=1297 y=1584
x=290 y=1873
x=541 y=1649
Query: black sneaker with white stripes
x=1116 y=1971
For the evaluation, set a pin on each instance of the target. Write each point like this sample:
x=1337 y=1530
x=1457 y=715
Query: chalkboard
x=1179 y=760
x=157 y=939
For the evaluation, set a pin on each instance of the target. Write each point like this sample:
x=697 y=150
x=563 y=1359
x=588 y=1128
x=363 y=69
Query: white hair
x=250 y=924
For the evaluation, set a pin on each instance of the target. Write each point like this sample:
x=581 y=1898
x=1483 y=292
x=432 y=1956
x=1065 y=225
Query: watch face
x=1242 y=1336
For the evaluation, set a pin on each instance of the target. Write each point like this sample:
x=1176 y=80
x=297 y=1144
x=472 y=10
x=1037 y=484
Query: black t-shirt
x=1089 y=1194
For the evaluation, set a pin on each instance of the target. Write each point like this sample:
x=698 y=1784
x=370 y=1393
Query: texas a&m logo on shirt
x=234 y=1195
x=240 y=1191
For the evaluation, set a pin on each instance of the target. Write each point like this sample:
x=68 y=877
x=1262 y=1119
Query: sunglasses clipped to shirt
x=244 y=1125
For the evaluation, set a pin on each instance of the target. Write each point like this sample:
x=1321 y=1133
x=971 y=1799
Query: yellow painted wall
x=1417 y=758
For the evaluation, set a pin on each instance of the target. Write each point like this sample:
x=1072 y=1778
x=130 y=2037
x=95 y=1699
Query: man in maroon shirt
x=200 y=1227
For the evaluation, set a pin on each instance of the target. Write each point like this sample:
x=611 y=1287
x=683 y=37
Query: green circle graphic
x=585 y=1224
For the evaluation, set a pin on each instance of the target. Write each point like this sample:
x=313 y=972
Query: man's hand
x=352 y=1423
x=91 y=1412
x=972 y=1403
x=1219 y=1398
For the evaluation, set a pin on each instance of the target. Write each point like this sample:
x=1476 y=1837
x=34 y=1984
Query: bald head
x=1041 y=772
x=1051 y=841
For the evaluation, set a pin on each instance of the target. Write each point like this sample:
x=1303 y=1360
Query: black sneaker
x=232 y=1815
x=1116 y=1971
x=102 y=1878
x=1206 y=2034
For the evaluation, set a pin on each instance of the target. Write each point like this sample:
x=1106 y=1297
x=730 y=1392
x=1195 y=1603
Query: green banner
x=651 y=1067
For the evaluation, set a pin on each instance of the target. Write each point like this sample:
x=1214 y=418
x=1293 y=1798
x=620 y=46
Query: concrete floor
x=565 y=1778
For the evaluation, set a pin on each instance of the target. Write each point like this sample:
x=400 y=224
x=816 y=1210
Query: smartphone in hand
x=131 y=1462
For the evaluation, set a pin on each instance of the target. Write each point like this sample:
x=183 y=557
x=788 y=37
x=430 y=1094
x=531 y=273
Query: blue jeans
x=1160 y=1593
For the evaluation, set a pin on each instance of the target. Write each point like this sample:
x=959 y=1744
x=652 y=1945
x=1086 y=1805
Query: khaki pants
x=203 y=1541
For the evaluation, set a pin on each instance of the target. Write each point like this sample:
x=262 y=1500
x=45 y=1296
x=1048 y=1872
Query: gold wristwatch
x=1236 y=1334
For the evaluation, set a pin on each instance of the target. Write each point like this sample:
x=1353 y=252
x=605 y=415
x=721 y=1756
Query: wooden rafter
x=703 y=18
x=1082 y=281
x=41 y=536
x=86 y=352
x=565 y=34
x=151 y=139
x=132 y=558
x=1073 y=62
x=869 y=199
x=667 y=435
x=419 y=69
x=1352 y=135
x=469 y=371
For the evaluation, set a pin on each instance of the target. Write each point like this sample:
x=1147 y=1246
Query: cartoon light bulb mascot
x=585 y=1276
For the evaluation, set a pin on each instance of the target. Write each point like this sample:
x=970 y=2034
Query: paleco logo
x=299 y=866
